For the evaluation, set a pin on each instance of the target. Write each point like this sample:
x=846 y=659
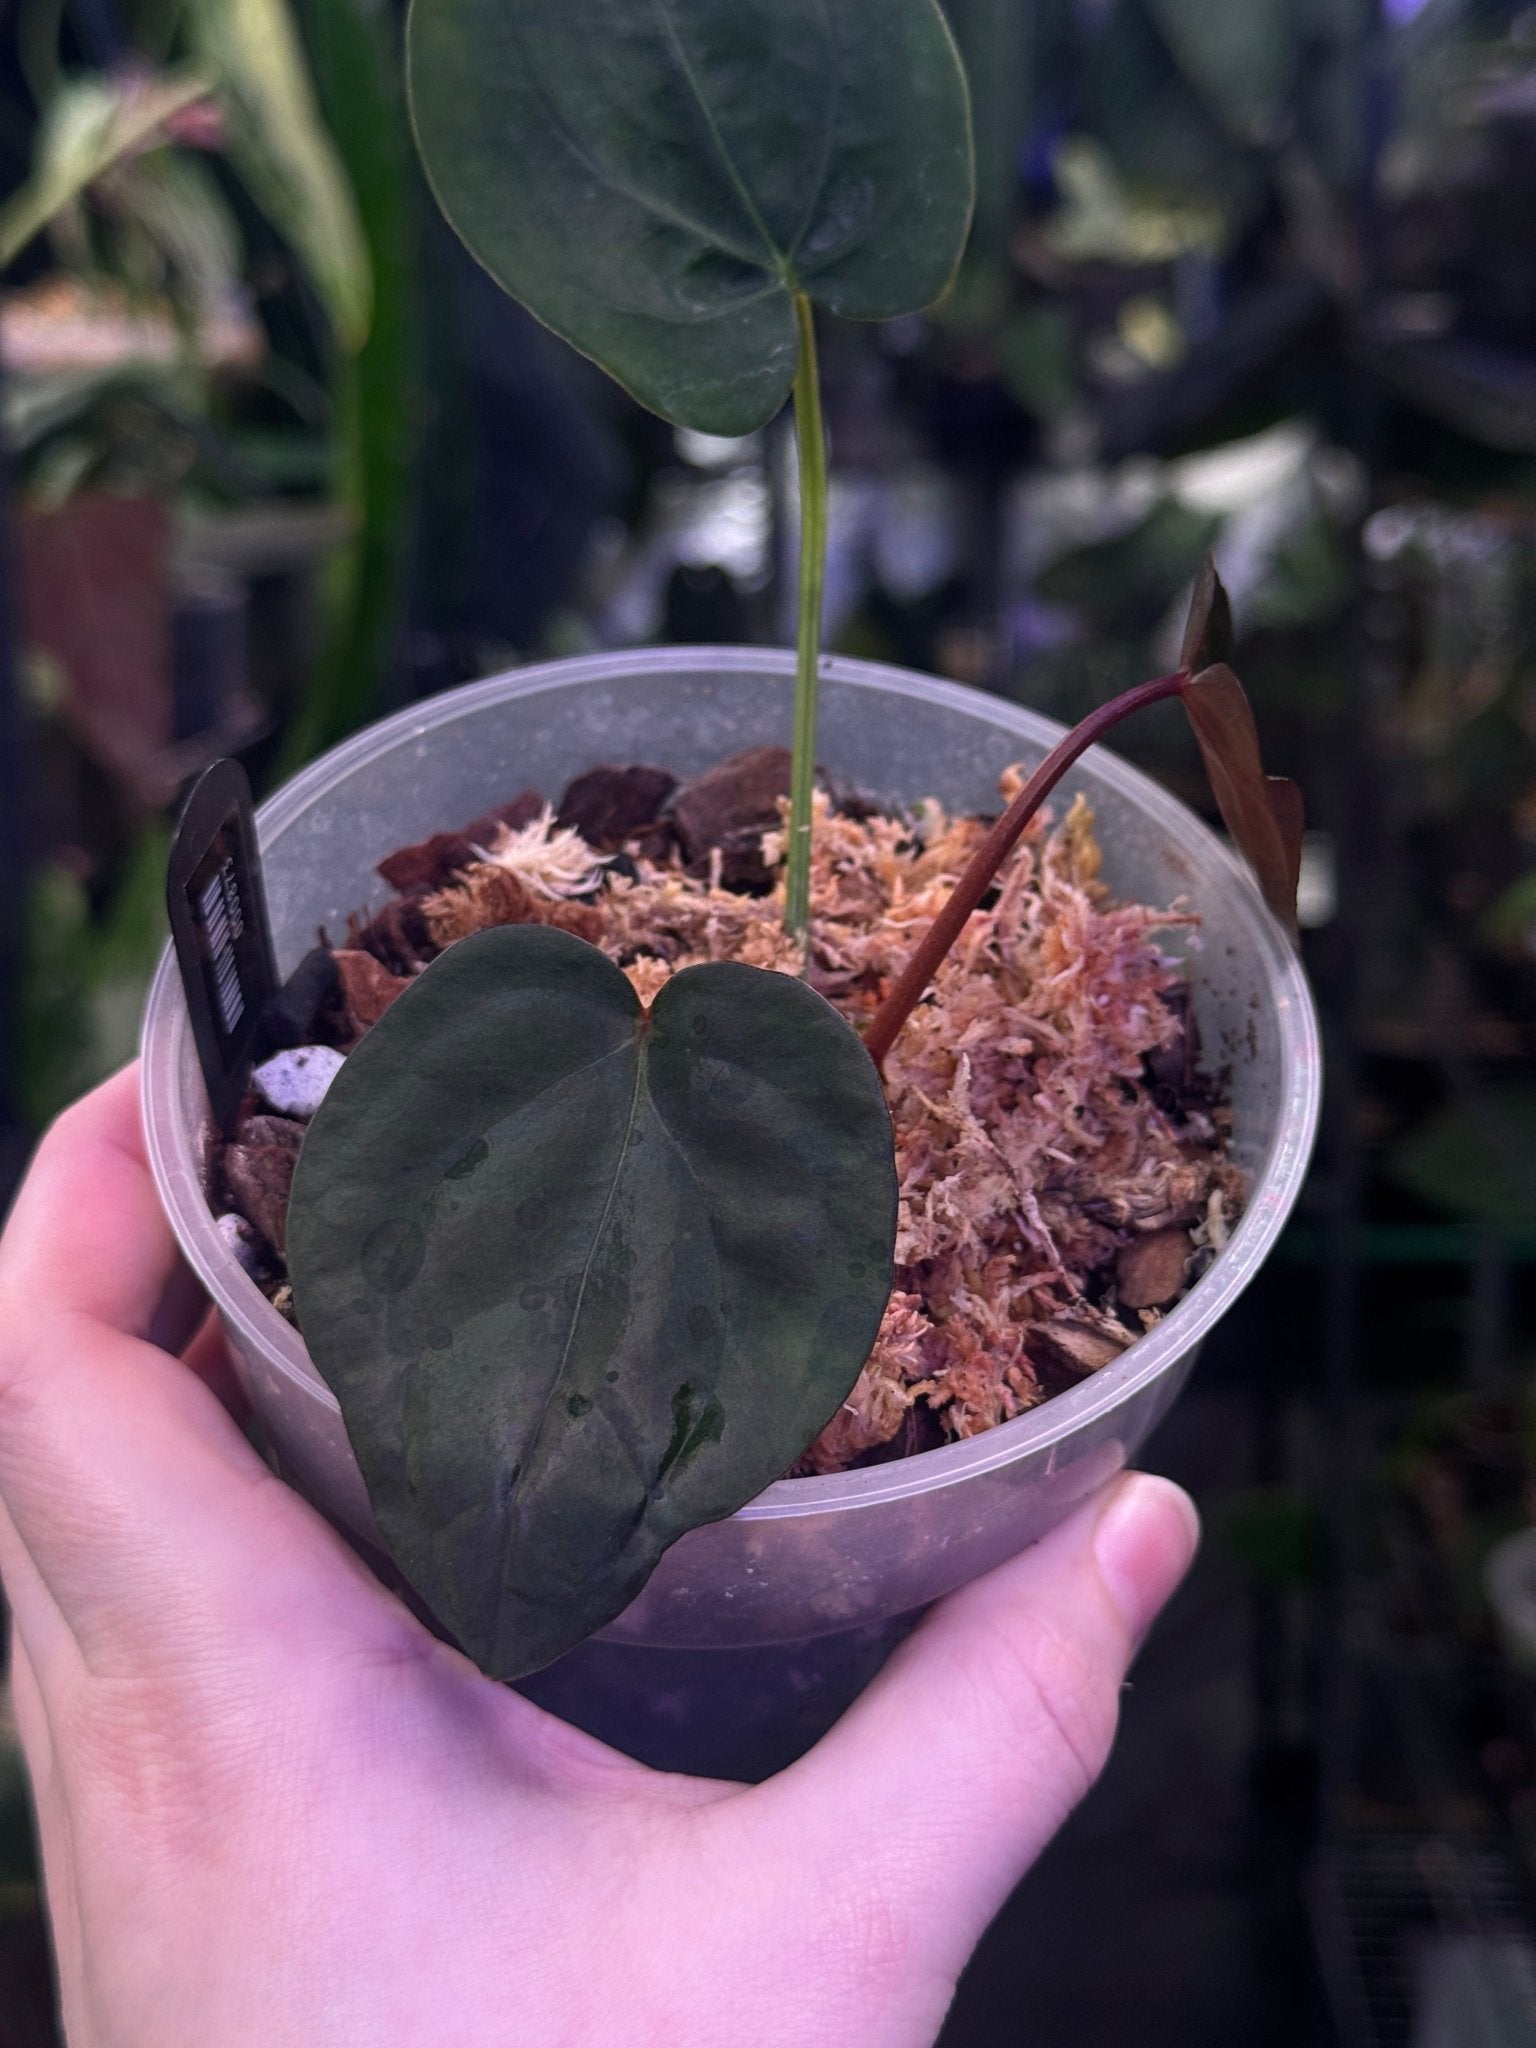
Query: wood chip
x=729 y=807
x=1150 y=1270
x=432 y=862
x=608 y=805
x=1080 y=1346
x=367 y=989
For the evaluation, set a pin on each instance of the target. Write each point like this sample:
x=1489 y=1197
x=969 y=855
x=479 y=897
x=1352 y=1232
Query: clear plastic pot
x=809 y=1557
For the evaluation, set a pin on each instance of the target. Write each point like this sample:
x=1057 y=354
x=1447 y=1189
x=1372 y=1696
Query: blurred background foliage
x=1257 y=277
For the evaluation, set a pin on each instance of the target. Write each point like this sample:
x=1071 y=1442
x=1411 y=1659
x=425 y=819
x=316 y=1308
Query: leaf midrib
x=546 y=1406
x=779 y=258
x=650 y=202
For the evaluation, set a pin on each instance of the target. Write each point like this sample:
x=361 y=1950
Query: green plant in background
x=282 y=150
x=375 y=409
x=124 y=186
x=89 y=127
x=121 y=183
x=136 y=222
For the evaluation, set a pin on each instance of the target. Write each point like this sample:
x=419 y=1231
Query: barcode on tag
x=220 y=908
x=219 y=924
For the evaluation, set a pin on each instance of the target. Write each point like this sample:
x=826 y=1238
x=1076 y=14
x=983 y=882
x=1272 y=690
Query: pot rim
x=175 y=1150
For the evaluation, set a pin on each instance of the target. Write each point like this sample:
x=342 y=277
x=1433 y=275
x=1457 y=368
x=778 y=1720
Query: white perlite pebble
x=294 y=1083
x=242 y=1241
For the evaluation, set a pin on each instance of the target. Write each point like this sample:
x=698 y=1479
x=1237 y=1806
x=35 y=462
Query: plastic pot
x=809 y=1557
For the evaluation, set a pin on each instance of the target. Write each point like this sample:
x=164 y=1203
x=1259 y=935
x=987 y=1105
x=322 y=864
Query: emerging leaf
x=1262 y=812
x=656 y=179
x=1208 y=633
x=583 y=1276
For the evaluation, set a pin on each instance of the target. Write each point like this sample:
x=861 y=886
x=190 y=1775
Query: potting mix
x=1062 y=1157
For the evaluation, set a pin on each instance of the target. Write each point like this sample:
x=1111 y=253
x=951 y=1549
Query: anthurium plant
x=585 y=1274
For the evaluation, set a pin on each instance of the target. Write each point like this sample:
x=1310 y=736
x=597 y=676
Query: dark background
x=1259 y=277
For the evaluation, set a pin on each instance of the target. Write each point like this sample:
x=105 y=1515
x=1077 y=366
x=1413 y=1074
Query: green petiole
x=811 y=451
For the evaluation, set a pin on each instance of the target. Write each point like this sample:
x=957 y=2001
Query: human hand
x=275 y=1810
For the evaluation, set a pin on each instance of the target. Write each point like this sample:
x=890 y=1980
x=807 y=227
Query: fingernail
x=1143 y=1545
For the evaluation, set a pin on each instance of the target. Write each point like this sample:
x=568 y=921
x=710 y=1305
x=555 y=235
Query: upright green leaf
x=375 y=398
x=282 y=150
x=1164 y=138
x=656 y=179
x=1242 y=60
x=582 y=1276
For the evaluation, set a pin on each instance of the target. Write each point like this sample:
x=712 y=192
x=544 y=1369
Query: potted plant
x=680 y=1212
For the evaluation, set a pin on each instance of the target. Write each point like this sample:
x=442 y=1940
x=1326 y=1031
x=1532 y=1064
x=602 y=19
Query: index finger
x=87 y=1234
x=102 y=1435
x=144 y=1510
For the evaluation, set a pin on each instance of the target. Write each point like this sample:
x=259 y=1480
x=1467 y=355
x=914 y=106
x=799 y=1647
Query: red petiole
x=994 y=850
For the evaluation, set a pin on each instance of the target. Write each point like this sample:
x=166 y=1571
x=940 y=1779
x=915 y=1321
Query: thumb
x=949 y=1775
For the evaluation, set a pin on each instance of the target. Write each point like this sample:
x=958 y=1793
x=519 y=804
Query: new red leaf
x=1208 y=630
x=1262 y=812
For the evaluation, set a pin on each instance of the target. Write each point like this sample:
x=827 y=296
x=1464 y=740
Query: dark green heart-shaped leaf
x=655 y=179
x=583 y=1277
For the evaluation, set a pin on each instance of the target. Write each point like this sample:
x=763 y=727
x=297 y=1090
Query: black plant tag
x=218 y=915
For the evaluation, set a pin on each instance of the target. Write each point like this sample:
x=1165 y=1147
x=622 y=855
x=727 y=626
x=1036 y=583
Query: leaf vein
x=546 y=1407
x=778 y=258
x=818 y=186
x=664 y=209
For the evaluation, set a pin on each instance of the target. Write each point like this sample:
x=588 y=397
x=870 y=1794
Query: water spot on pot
x=477 y=1154
x=611 y=1377
x=701 y=1324
x=577 y=1405
x=700 y=1026
x=392 y=1255
x=532 y=1298
x=528 y=1212
x=437 y=1338
x=878 y=1251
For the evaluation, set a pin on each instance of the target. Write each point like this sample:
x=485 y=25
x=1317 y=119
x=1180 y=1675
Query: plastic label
x=219 y=925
